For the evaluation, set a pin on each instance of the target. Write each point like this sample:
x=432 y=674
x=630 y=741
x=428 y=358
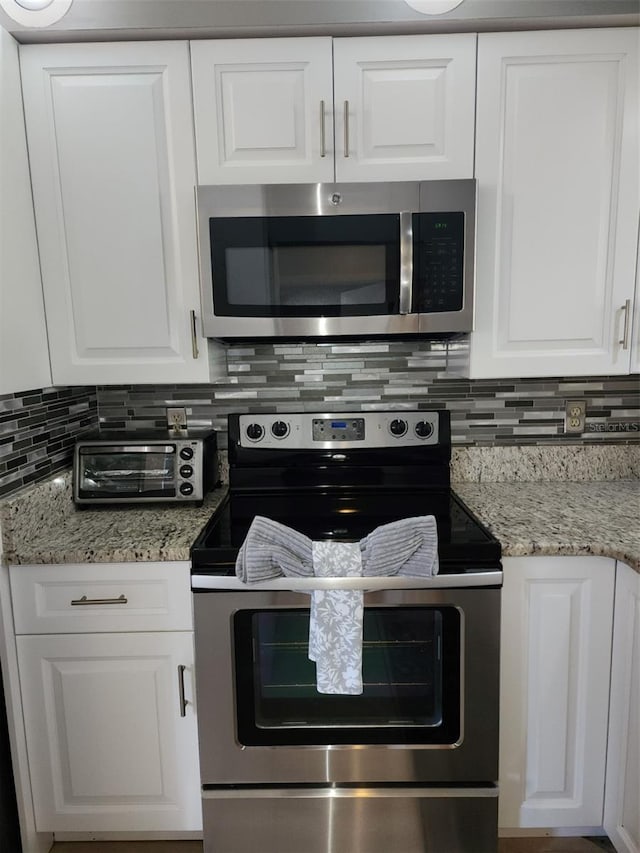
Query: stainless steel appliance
x=329 y=260
x=125 y=467
x=410 y=764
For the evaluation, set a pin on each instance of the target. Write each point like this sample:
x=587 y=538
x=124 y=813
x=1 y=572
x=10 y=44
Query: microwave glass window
x=305 y=266
x=411 y=680
x=139 y=474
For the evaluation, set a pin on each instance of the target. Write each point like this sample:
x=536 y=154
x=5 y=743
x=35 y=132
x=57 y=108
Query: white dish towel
x=405 y=547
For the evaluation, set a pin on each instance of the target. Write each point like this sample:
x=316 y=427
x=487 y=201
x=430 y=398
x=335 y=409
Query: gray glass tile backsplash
x=279 y=377
x=38 y=428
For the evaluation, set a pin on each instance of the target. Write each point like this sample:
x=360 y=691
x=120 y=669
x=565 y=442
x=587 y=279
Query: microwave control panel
x=438 y=262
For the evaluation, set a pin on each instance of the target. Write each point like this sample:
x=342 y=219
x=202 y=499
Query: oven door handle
x=450 y=581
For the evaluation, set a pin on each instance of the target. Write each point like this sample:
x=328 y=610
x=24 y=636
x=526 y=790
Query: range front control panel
x=306 y=431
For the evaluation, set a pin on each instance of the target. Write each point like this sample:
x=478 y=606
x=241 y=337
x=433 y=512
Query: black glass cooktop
x=464 y=544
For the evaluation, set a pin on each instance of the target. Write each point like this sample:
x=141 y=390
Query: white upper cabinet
x=24 y=354
x=110 y=135
x=405 y=107
x=557 y=167
x=634 y=329
x=265 y=112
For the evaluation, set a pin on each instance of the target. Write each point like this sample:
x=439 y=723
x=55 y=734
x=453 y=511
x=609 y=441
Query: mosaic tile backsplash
x=314 y=377
x=38 y=428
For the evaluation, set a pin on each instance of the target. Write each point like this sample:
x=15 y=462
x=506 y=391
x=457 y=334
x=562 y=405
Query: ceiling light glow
x=433 y=7
x=36 y=13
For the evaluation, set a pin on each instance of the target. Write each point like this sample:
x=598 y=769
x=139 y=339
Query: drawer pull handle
x=183 y=701
x=85 y=601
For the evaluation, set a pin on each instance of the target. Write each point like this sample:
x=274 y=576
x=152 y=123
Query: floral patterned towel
x=335 y=623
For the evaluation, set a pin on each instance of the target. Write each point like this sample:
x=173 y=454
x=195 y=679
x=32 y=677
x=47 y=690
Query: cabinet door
x=108 y=747
x=24 y=354
x=263 y=110
x=405 y=107
x=110 y=137
x=557 y=168
x=556 y=644
x=622 y=800
x=633 y=330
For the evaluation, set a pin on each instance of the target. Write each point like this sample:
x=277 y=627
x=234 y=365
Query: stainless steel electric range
x=411 y=764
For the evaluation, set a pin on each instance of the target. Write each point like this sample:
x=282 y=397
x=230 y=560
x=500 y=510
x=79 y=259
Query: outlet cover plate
x=176 y=417
x=574 y=416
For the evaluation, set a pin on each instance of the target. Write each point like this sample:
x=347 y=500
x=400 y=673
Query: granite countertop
x=42 y=525
x=546 y=516
x=569 y=518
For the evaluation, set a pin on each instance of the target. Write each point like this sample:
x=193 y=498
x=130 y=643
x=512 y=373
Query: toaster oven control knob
x=423 y=429
x=280 y=429
x=398 y=427
x=186 y=471
x=186 y=489
x=255 y=432
x=186 y=453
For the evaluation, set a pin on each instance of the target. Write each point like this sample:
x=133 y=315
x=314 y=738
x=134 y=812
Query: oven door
x=428 y=711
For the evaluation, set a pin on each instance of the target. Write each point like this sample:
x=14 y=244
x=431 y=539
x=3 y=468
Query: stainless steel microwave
x=125 y=467
x=312 y=261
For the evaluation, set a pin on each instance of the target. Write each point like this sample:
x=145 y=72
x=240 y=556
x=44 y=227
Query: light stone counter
x=42 y=525
x=570 y=500
x=569 y=518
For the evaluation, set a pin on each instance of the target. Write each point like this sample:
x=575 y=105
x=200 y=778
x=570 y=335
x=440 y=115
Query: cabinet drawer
x=97 y=597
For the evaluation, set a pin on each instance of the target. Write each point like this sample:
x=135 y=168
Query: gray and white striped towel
x=406 y=547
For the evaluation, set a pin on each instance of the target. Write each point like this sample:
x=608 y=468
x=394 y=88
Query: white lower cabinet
x=109 y=717
x=556 y=655
x=622 y=797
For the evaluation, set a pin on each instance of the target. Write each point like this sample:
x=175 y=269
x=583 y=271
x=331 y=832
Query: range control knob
x=398 y=427
x=186 y=453
x=186 y=489
x=186 y=471
x=280 y=429
x=255 y=432
x=423 y=429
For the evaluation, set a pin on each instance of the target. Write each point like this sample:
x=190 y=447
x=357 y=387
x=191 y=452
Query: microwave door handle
x=406 y=262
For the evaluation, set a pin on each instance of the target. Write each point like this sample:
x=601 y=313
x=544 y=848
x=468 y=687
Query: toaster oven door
x=125 y=472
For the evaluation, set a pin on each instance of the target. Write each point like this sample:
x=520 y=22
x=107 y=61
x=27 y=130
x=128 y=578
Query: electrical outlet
x=574 y=416
x=177 y=418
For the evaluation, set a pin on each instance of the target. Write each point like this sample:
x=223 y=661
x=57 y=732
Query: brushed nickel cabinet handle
x=183 y=702
x=194 y=336
x=626 y=308
x=346 y=128
x=98 y=601
x=323 y=144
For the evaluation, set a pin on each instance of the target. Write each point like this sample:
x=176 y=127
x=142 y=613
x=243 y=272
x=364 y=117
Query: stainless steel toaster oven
x=144 y=467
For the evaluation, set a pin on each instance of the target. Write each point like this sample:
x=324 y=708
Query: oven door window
x=112 y=473
x=306 y=266
x=411 y=673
